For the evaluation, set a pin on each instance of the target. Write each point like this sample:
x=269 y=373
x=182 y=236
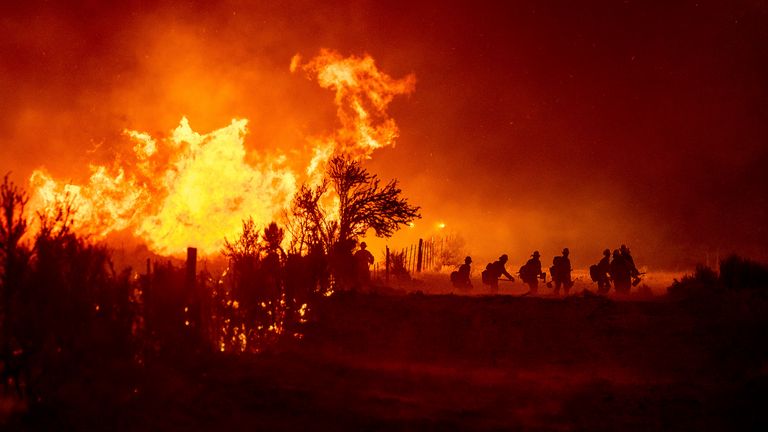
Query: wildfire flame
x=194 y=189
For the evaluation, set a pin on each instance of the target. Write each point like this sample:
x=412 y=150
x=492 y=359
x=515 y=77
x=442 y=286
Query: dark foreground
x=415 y=362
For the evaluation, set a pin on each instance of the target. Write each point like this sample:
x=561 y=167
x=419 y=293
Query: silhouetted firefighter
x=600 y=273
x=494 y=271
x=621 y=273
x=343 y=265
x=624 y=250
x=363 y=259
x=561 y=272
x=531 y=272
x=460 y=277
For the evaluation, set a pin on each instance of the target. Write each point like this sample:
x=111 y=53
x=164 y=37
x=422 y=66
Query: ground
x=414 y=361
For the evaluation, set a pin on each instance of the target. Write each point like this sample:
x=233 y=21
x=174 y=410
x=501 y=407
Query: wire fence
x=422 y=256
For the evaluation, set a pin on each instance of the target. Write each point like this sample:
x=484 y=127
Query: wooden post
x=191 y=299
x=147 y=299
x=432 y=253
x=386 y=269
x=421 y=256
x=429 y=254
x=191 y=269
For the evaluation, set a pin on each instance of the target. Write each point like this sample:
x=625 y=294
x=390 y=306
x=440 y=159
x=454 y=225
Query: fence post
x=190 y=288
x=421 y=256
x=386 y=269
x=191 y=269
x=432 y=253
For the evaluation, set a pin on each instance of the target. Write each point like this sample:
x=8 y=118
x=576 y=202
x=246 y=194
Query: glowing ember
x=195 y=189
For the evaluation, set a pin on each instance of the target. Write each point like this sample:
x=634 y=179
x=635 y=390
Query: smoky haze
x=533 y=126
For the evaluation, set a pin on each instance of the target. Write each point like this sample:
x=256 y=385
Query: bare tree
x=14 y=257
x=307 y=221
x=57 y=221
x=246 y=246
x=364 y=204
x=273 y=239
x=451 y=251
x=13 y=224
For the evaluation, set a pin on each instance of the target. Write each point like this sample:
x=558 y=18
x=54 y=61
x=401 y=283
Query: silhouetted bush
x=264 y=291
x=704 y=280
x=74 y=310
x=65 y=311
x=398 y=268
x=737 y=273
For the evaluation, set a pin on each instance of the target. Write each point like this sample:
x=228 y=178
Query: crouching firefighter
x=460 y=277
x=494 y=271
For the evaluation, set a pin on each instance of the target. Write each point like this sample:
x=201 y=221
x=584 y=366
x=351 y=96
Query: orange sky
x=533 y=126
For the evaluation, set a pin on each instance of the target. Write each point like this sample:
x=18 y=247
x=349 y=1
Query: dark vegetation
x=279 y=342
x=736 y=275
x=72 y=327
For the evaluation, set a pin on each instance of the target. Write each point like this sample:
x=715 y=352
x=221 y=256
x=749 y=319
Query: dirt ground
x=420 y=361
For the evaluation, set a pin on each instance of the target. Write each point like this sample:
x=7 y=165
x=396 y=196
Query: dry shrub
x=736 y=274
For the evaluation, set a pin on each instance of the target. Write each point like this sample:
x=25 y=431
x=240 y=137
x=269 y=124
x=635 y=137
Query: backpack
x=594 y=273
x=486 y=275
x=526 y=273
x=454 y=277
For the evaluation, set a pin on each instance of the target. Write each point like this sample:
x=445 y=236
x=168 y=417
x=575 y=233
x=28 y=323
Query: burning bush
x=64 y=307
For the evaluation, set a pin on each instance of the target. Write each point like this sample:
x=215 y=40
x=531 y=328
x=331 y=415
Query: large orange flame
x=192 y=189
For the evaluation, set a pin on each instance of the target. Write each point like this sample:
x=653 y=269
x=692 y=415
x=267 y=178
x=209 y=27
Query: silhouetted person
x=363 y=259
x=460 y=278
x=624 y=251
x=494 y=271
x=531 y=272
x=634 y=272
x=343 y=264
x=621 y=273
x=561 y=272
x=603 y=271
